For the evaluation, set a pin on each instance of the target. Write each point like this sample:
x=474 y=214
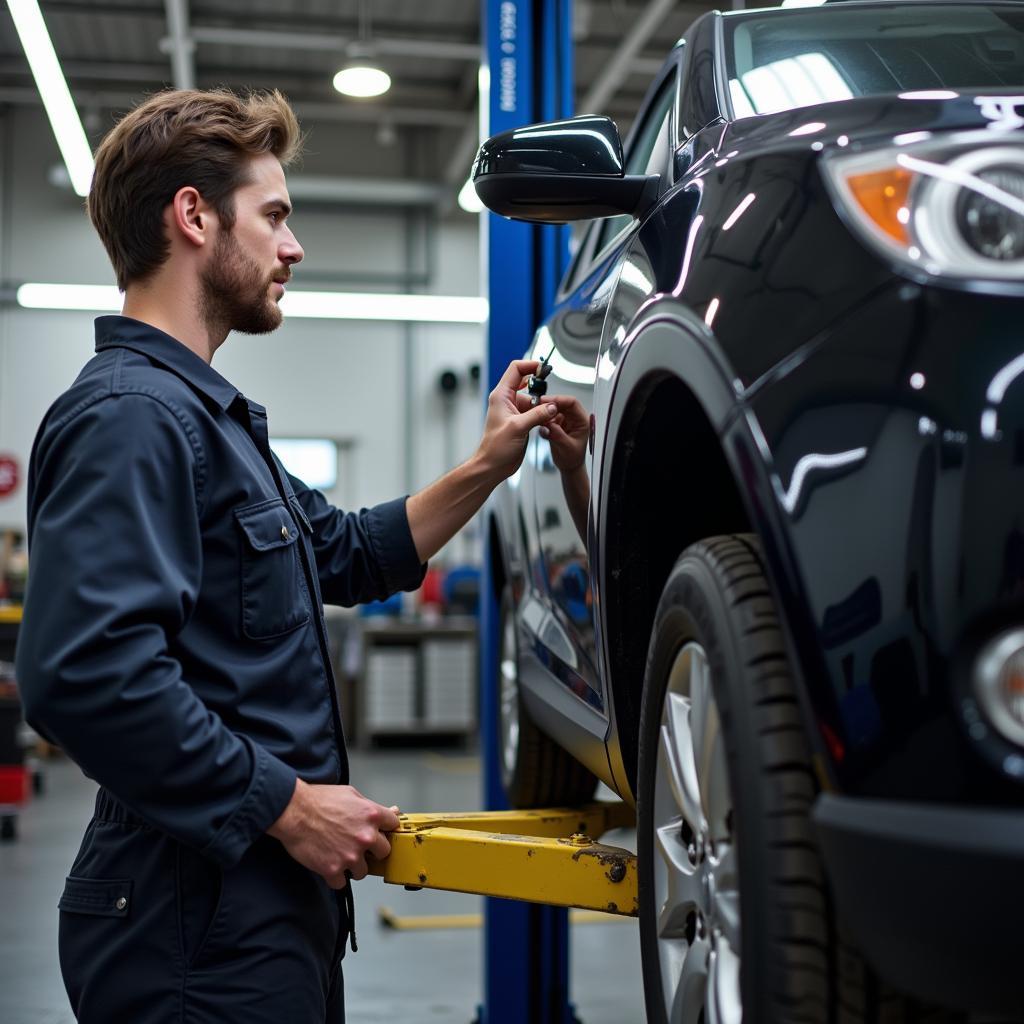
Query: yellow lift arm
x=542 y=856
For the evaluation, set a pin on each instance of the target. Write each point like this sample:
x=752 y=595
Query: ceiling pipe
x=383 y=45
x=621 y=64
x=311 y=188
x=179 y=45
x=339 y=191
x=24 y=96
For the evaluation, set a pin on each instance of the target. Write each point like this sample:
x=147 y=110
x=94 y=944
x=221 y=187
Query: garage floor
x=416 y=976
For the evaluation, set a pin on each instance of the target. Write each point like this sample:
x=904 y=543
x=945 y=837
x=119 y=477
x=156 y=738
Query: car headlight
x=999 y=684
x=951 y=207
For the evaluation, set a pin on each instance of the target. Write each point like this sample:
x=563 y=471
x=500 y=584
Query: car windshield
x=780 y=60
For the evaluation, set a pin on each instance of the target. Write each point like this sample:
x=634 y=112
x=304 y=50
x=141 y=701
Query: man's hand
x=510 y=418
x=442 y=508
x=568 y=432
x=333 y=829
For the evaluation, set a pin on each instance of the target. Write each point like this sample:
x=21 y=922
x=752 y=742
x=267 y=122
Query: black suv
x=783 y=608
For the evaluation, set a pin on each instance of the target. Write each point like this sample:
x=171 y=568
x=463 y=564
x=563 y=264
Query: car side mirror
x=559 y=171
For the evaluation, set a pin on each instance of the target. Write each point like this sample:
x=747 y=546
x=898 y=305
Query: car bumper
x=931 y=895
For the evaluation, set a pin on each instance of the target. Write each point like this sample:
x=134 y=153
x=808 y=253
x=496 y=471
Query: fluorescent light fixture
x=468 y=199
x=101 y=298
x=53 y=90
x=448 y=309
x=451 y=309
x=314 y=460
x=362 y=80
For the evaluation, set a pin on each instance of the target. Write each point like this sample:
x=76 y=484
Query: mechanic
x=173 y=640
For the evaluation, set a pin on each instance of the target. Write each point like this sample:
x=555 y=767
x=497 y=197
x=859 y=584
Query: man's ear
x=190 y=217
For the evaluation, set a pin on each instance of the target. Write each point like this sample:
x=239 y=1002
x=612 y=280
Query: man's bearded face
x=236 y=293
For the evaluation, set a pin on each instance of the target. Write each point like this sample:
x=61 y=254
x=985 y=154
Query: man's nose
x=290 y=251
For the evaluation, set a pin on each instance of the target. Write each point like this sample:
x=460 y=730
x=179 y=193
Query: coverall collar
x=124 y=332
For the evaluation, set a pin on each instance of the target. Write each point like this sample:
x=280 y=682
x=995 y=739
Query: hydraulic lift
x=528 y=57
x=549 y=857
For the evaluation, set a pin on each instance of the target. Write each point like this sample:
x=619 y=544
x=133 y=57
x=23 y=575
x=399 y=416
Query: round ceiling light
x=362 y=80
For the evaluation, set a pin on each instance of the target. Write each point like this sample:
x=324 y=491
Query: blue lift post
x=527 y=47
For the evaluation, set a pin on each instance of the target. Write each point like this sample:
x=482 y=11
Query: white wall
x=339 y=379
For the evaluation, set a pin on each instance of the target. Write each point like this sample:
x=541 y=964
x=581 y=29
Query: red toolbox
x=15 y=776
x=15 y=785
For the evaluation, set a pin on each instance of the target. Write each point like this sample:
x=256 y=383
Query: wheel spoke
x=688 y=994
x=727 y=895
x=683 y=888
x=701 y=708
x=723 y=989
x=696 y=878
x=713 y=772
x=678 y=760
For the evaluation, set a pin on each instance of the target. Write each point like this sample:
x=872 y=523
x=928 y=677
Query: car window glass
x=797 y=58
x=648 y=153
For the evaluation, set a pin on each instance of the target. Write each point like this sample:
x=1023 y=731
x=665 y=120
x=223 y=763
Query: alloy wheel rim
x=509 y=697
x=696 y=877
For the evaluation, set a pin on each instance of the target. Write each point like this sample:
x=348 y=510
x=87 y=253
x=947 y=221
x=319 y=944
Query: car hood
x=880 y=118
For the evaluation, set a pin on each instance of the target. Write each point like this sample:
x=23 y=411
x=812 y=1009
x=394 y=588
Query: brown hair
x=178 y=138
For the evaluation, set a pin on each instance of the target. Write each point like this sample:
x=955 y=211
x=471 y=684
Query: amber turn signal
x=882 y=195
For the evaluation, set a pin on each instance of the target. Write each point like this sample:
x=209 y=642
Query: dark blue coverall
x=173 y=644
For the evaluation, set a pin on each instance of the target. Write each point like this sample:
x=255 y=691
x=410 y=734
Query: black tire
x=535 y=771
x=793 y=969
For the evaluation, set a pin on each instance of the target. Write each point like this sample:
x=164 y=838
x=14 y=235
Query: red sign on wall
x=9 y=475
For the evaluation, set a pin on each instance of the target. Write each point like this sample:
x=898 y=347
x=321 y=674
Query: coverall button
x=284 y=533
x=121 y=903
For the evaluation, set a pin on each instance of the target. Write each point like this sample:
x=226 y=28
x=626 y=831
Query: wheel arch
x=650 y=518
x=683 y=459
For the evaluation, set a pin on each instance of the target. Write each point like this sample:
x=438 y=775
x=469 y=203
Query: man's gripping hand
x=510 y=418
x=569 y=434
x=333 y=830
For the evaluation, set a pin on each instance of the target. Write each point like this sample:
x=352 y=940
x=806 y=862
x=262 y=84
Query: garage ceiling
x=114 y=52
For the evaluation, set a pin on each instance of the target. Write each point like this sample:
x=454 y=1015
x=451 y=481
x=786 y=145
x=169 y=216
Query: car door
x=571 y=338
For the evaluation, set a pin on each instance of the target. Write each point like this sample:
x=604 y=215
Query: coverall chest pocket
x=274 y=598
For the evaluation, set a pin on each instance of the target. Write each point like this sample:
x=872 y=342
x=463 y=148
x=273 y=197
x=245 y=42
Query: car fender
x=668 y=341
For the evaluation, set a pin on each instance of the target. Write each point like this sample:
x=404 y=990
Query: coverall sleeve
x=114 y=573
x=360 y=556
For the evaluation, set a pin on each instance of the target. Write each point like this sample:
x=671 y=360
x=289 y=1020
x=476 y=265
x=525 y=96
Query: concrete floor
x=415 y=976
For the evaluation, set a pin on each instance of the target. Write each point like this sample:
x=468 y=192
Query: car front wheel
x=729 y=875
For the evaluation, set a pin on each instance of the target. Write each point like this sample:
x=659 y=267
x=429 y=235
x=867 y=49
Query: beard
x=236 y=293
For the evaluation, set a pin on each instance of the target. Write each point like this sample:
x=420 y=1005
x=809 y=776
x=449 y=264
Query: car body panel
x=868 y=416
x=797 y=340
